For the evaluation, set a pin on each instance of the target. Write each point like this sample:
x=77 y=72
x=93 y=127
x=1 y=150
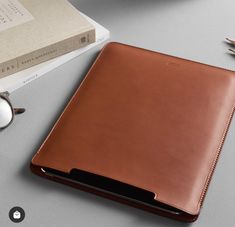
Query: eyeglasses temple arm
x=19 y=110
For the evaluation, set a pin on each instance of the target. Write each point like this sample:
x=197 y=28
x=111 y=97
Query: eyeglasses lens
x=6 y=114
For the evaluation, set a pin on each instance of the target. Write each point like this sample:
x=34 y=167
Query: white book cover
x=19 y=79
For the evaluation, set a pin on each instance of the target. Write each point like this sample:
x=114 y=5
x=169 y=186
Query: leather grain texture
x=146 y=119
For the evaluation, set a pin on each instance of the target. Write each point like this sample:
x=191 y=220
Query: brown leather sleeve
x=146 y=119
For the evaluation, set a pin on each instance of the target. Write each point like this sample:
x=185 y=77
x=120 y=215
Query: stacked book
x=39 y=35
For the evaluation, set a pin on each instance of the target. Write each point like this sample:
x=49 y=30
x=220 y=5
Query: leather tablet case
x=143 y=128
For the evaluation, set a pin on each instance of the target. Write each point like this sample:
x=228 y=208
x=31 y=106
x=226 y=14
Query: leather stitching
x=206 y=185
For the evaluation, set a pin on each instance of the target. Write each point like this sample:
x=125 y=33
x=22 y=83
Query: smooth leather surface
x=146 y=119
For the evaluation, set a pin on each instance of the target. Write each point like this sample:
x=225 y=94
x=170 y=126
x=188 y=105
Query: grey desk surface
x=193 y=29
